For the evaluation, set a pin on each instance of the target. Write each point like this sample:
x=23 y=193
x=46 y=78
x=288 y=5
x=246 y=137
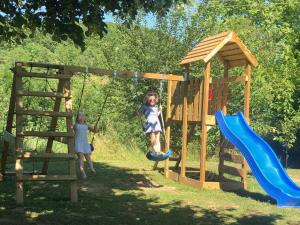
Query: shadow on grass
x=112 y=196
x=194 y=173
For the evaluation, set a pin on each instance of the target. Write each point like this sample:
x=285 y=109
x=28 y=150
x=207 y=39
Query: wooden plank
x=196 y=105
x=224 y=110
x=174 y=175
x=168 y=127
x=101 y=72
x=237 y=63
x=190 y=108
x=44 y=75
x=41 y=94
x=30 y=154
x=203 y=46
x=203 y=122
x=230 y=52
x=234 y=57
x=190 y=182
x=210 y=120
x=247 y=116
x=173 y=100
x=45 y=134
x=229 y=47
x=220 y=46
x=232 y=171
x=235 y=158
x=194 y=59
x=44 y=113
x=184 y=124
x=220 y=35
x=46 y=178
x=71 y=143
x=246 y=51
x=19 y=141
x=232 y=185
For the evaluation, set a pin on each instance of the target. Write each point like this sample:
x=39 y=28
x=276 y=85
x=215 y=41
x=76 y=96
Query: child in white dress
x=82 y=146
x=152 y=124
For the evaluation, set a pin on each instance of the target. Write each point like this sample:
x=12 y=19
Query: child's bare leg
x=152 y=139
x=81 y=164
x=157 y=140
x=90 y=162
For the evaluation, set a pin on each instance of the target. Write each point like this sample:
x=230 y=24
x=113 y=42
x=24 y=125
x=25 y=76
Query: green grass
x=125 y=191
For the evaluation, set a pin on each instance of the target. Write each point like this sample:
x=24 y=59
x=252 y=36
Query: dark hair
x=149 y=94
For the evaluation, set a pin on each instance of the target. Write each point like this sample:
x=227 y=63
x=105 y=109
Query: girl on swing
x=152 y=125
x=82 y=146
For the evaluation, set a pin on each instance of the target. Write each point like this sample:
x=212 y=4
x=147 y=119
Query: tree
x=70 y=19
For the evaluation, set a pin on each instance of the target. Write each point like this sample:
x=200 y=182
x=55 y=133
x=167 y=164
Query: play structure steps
x=62 y=95
x=45 y=75
x=45 y=134
x=44 y=113
x=41 y=94
x=45 y=155
x=46 y=178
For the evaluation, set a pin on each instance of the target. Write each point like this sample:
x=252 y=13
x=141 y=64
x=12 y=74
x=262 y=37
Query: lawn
x=125 y=191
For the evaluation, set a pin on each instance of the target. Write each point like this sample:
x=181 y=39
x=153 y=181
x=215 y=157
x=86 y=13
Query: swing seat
x=155 y=157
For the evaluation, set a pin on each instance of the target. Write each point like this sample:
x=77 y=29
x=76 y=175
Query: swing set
x=190 y=102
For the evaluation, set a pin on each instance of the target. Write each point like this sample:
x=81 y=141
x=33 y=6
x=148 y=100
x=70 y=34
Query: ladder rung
x=44 y=75
x=45 y=177
x=40 y=155
x=44 y=113
x=42 y=94
x=45 y=134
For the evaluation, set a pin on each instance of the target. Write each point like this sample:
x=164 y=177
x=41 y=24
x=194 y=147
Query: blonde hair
x=148 y=95
x=80 y=114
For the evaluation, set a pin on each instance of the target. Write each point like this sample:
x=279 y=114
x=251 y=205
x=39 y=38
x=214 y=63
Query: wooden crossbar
x=101 y=72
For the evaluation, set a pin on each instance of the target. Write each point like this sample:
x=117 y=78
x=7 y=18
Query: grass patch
x=125 y=191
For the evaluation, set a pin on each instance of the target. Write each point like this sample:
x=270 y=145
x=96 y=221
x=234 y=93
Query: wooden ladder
x=63 y=92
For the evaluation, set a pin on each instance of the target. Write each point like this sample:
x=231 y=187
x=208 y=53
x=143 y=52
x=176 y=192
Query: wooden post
x=9 y=124
x=246 y=114
x=184 y=123
x=71 y=142
x=203 y=123
x=19 y=140
x=168 y=127
x=224 y=109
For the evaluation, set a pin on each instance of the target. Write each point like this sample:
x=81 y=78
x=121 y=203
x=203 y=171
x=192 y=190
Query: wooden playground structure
x=189 y=103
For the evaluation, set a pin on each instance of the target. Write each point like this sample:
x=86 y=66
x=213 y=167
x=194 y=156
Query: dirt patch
x=87 y=186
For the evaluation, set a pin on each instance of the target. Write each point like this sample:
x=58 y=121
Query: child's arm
x=140 y=111
x=92 y=128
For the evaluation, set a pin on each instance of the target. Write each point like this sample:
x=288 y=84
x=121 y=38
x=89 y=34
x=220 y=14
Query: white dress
x=81 y=139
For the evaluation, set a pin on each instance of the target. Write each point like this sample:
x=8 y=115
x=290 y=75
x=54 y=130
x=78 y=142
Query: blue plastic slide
x=261 y=159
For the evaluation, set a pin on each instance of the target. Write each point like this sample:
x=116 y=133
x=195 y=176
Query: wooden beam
x=44 y=134
x=39 y=155
x=184 y=124
x=19 y=141
x=247 y=116
x=47 y=178
x=71 y=142
x=101 y=72
x=224 y=109
x=44 y=75
x=45 y=113
x=168 y=127
x=41 y=94
x=203 y=122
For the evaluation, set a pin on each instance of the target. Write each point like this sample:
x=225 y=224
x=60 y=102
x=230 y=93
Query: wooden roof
x=225 y=46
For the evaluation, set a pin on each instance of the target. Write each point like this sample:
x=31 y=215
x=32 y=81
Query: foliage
x=70 y=19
